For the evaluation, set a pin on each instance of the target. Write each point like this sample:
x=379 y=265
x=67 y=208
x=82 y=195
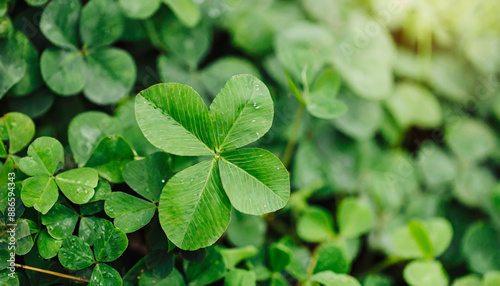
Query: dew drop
x=257 y=107
x=253 y=120
x=163 y=181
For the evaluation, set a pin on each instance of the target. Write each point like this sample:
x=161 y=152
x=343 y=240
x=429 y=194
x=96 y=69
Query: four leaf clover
x=195 y=204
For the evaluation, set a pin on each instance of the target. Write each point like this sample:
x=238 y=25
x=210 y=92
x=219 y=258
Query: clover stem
x=292 y=141
x=312 y=263
x=389 y=261
x=51 y=272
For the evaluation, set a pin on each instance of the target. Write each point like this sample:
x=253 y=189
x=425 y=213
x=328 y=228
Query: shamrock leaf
x=60 y=221
x=210 y=270
x=255 y=180
x=130 y=213
x=192 y=200
x=78 y=184
x=138 y=9
x=45 y=155
x=279 y=256
x=85 y=132
x=355 y=218
x=48 y=246
x=329 y=278
x=105 y=275
x=59 y=21
x=421 y=273
x=40 y=192
x=104 y=74
x=111 y=242
x=18 y=129
x=304 y=50
x=13 y=66
x=422 y=239
x=321 y=101
x=315 y=225
x=186 y=10
x=101 y=24
x=174 y=118
x=110 y=157
x=243 y=112
x=63 y=71
x=187 y=44
x=75 y=254
x=147 y=177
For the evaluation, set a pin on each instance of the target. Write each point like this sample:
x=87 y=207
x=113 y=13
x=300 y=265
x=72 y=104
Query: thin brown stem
x=51 y=273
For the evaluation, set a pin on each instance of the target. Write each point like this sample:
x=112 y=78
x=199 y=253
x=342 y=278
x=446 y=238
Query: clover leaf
x=104 y=74
x=13 y=66
x=110 y=157
x=420 y=273
x=174 y=118
x=187 y=11
x=422 y=239
x=45 y=157
x=104 y=274
x=18 y=129
x=130 y=213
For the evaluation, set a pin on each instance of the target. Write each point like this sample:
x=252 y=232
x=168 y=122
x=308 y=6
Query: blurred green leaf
x=110 y=157
x=138 y=9
x=279 y=257
x=479 y=246
x=59 y=21
x=420 y=273
x=101 y=23
x=63 y=70
x=240 y=277
x=111 y=74
x=246 y=229
x=18 y=129
x=208 y=271
x=315 y=225
x=329 y=278
x=355 y=218
x=147 y=177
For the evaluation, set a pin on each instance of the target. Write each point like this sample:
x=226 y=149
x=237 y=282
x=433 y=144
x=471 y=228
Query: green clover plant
x=105 y=74
x=195 y=204
x=41 y=190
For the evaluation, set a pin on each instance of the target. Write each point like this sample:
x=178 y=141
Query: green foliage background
x=385 y=113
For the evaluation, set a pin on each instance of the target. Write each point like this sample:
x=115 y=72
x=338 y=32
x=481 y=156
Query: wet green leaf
x=75 y=254
x=130 y=213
